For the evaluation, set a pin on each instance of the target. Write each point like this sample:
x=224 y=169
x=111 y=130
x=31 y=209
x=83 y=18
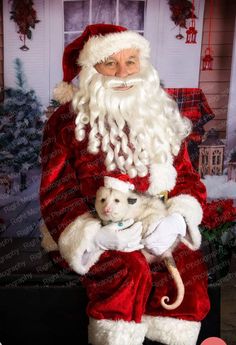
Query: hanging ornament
x=181 y=11
x=191 y=31
x=179 y=36
x=25 y=16
x=207 y=60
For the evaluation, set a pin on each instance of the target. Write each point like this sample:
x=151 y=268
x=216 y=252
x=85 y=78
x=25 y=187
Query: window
x=79 y=14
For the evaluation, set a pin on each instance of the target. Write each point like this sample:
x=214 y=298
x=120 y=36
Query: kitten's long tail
x=171 y=266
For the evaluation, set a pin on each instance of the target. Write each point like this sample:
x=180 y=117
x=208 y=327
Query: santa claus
x=119 y=120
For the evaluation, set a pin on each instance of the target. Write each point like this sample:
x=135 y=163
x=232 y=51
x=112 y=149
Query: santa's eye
x=103 y=200
x=109 y=63
x=117 y=200
x=130 y=62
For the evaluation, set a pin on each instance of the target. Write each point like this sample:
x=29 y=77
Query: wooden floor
x=228 y=306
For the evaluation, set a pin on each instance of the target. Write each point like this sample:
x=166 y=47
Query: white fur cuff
x=109 y=332
x=76 y=243
x=171 y=331
x=191 y=210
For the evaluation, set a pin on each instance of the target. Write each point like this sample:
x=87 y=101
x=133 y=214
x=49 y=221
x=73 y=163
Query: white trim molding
x=231 y=116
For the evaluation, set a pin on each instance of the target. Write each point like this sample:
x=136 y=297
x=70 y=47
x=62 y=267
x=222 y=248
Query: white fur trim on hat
x=191 y=210
x=109 y=332
x=115 y=183
x=98 y=48
x=162 y=178
x=76 y=243
x=172 y=331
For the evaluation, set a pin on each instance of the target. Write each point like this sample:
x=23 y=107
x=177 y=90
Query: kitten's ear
x=131 y=201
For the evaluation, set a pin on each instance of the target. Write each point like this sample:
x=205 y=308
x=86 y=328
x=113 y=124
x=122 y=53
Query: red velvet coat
x=70 y=179
x=71 y=175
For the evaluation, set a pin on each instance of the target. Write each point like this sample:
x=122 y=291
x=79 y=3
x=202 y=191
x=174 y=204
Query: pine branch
x=20 y=76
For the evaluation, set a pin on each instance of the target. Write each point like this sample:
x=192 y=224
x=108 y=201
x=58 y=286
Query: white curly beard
x=134 y=127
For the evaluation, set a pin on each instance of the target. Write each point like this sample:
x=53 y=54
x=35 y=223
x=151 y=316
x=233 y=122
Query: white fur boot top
x=171 y=331
x=109 y=332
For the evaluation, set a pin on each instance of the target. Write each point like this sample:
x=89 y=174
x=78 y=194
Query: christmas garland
x=25 y=16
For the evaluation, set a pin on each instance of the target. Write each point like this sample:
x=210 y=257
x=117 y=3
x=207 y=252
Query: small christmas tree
x=20 y=128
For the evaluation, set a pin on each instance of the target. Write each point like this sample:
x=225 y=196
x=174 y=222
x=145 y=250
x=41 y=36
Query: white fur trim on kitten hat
x=118 y=183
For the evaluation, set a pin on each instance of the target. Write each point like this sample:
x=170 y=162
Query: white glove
x=121 y=236
x=164 y=233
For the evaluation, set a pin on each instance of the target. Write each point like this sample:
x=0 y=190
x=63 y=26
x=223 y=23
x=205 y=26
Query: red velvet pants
x=123 y=286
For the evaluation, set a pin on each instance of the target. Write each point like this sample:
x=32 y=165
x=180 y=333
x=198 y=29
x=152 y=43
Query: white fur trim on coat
x=162 y=178
x=109 y=332
x=191 y=210
x=99 y=48
x=64 y=92
x=76 y=243
x=172 y=331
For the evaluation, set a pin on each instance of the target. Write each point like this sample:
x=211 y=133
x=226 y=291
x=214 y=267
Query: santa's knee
x=118 y=286
x=114 y=264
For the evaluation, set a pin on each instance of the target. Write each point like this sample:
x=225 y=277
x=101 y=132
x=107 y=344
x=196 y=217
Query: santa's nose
x=121 y=71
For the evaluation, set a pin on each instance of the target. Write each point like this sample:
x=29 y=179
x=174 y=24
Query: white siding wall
x=178 y=63
x=36 y=59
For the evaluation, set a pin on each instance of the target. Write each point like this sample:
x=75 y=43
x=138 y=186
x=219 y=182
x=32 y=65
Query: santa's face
x=122 y=65
x=132 y=120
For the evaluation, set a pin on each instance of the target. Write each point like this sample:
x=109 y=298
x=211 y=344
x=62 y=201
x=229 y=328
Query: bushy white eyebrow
x=113 y=59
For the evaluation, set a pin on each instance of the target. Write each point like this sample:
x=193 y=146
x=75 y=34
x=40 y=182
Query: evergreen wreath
x=181 y=11
x=25 y=16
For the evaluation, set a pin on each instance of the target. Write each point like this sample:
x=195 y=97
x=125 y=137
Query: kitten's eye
x=103 y=200
x=131 y=201
x=117 y=200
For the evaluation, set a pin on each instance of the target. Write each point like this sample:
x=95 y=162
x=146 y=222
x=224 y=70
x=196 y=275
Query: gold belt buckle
x=164 y=196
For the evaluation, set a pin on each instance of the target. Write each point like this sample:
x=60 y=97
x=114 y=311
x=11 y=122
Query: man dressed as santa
x=119 y=121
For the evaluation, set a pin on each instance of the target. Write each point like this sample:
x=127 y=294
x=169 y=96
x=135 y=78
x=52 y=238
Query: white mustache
x=111 y=82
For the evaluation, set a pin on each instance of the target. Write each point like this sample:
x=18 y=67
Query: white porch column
x=231 y=117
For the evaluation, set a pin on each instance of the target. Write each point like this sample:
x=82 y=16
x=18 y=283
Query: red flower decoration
x=217 y=213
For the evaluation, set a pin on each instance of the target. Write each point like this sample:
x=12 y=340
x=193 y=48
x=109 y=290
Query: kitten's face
x=112 y=205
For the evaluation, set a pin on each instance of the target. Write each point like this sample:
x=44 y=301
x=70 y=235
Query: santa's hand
x=123 y=236
x=164 y=233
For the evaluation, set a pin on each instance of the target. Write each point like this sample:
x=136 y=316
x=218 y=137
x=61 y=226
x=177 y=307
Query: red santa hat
x=119 y=182
x=97 y=42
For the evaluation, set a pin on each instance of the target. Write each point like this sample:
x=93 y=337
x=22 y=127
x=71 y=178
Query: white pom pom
x=64 y=92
